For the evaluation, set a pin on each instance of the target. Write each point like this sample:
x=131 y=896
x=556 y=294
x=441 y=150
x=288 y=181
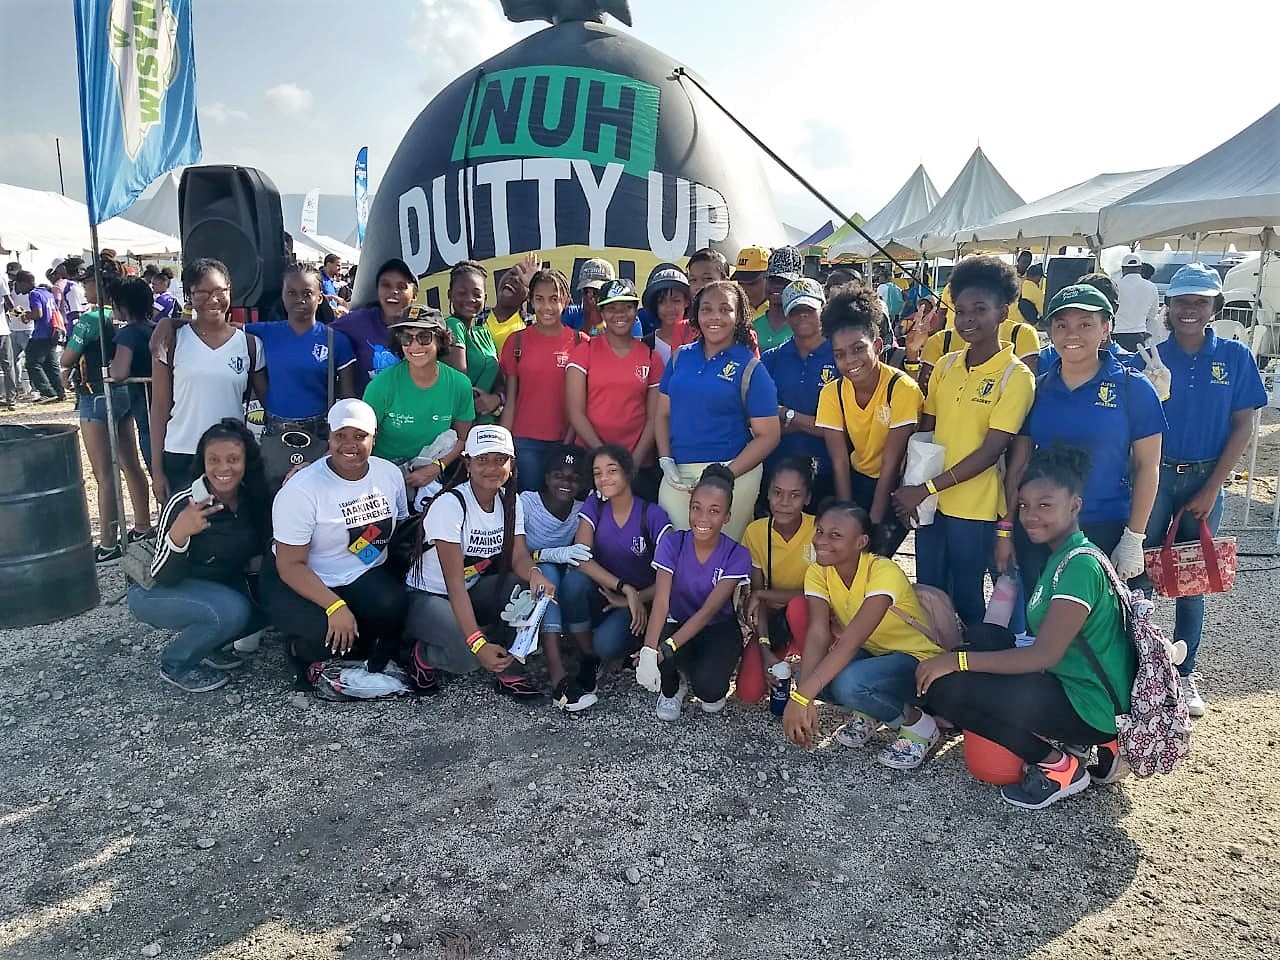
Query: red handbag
x=1207 y=565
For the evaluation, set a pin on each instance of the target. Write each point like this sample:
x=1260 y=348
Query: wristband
x=537 y=556
x=803 y=701
x=910 y=363
x=334 y=607
x=619 y=586
x=963 y=658
x=764 y=642
x=439 y=465
x=476 y=641
x=1004 y=534
x=928 y=485
x=1004 y=524
x=670 y=644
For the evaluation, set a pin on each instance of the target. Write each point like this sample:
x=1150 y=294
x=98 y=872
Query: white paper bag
x=925 y=460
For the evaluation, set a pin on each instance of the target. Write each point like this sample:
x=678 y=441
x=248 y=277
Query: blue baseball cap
x=1195 y=280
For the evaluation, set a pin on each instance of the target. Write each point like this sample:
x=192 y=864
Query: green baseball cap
x=1079 y=296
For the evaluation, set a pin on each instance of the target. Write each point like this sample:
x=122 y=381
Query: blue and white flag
x=137 y=97
x=362 y=194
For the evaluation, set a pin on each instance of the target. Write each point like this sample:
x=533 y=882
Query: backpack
x=1156 y=732
x=943 y=628
x=888 y=401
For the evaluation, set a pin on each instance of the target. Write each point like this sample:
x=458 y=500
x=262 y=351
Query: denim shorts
x=93 y=407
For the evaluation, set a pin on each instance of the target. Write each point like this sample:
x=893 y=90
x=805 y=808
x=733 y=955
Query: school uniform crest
x=642 y=372
x=808 y=553
x=828 y=374
x=321 y=352
x=1218 y=373
x=562 y=360
x=729 y=371
x=238 y=364
x=1106 y=395
x=1036 y=595
x=638 y=546
x=883 y=414
x=717 y=575
x=985 y=388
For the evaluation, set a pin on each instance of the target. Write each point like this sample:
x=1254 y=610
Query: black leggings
x=708 y=660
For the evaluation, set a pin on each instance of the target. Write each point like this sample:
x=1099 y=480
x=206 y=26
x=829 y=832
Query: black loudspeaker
x=233 y=214
x=1064 y=271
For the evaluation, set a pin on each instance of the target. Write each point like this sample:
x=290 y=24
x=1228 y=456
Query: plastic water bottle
x=781 y=693
x=1003 y=597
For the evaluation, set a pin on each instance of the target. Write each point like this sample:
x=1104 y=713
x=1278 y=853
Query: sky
x=852 y=94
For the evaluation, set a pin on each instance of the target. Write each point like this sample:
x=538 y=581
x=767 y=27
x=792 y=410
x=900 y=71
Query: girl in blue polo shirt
x=716 y=406
x=1215 y=389
x=1087 y=398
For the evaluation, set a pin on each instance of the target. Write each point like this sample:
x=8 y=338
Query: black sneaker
x=136 y=535
x=1041 y=788
x=570 y=697
x=588 y=673
x=516 y=686
x=422 y=677
x=107 y=556
x=222 y=661
x=194 y=679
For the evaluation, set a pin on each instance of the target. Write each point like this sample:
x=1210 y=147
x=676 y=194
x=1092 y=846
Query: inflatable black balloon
x=575 y=142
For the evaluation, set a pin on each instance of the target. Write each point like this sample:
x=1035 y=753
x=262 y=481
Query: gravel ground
x=258 y=823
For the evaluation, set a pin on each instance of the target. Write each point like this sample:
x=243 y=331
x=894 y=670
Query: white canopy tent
x=1066 y=218
x=913 y=201
x=314 y=247
x=158 y=209
x=54 y=225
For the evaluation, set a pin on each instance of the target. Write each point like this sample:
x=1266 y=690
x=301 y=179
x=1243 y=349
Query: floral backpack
x=1156 y=732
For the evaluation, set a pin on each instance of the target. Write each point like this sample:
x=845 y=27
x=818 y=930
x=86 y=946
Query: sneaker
x=668 y=708
x=326 y=680
x=909 y=750
x=588 y=673
x=570 y=697
x=1191 y=693
x=715 y=706
x=137 y=535
x=110 y=556
x=194 y=679
x=1110 y=766
x=1041 y=788
x=222 y=660
x=250 y=643
x=857 y=731
x=517 y=686
x=423 y=677
x=33 y=396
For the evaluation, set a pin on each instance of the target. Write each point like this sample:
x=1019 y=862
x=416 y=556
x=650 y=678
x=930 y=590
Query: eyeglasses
x=407 y=337
x=220 y=293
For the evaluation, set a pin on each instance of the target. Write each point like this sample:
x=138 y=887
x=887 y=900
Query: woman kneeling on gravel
x=471 y=562
x=207 y=539
x=869 y=665
x=1055 y=690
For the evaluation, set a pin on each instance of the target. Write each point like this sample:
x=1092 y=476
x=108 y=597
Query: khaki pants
x=742 y=511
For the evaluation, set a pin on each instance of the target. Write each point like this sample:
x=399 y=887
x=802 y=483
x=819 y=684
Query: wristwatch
x=788 y=417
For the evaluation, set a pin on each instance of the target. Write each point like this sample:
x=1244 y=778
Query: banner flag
x=311 y=211
x=362 y=194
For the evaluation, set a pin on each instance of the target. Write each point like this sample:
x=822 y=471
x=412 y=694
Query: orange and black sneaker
x=1110 y=766
x=1043 y=785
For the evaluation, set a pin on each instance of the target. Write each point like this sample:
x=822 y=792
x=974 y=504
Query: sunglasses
x=407 y=337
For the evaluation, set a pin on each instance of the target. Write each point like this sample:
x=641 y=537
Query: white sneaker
x=713 y=707
x=1191 y=693
x=909 y=750
x=249 y=644
x=857 y=731
x=668 y=708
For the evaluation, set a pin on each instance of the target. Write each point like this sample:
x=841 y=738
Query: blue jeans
x=583 y=610
x=554 y=619
x=530 y=457
x=879 y=686
x=954 y=555
x=1174 y=491
x=139 y=407
x=207 y=616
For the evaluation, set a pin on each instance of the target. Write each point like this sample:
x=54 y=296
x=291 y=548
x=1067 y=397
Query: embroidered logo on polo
x=828 y=374
x=369 y=526
x=883 y=414
x=1218 y=373
x=985 y=390
x=642 y=372
x=729 y=371
x=321 y=352
x=1106 y=395
x=1036 y=595
x=717 y=575
x=562 y=360
x=238 y=364
x=639 y=545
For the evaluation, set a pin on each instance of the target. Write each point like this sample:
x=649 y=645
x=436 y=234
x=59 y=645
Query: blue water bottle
x=781 y=693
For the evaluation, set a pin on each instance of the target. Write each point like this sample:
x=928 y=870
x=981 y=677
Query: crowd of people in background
x=704 y=473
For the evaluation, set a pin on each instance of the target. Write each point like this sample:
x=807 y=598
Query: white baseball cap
x=489 y=438
x=353 y=413
x=1131 y=260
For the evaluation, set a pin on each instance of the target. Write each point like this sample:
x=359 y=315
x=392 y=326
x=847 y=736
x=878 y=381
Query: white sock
x=924 y=728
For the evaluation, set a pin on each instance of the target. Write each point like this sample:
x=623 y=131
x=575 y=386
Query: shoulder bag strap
x=1079 y=639
x=332 y=373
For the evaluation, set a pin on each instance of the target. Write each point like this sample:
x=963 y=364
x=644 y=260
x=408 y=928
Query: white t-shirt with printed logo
x=479 y=534
x=208 y=385
x=347 y=523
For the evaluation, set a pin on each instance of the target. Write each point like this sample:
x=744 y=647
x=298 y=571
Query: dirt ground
x=258 y=823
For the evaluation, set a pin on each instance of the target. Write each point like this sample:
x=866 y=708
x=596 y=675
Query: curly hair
x=742 y=332
x=619 y=455
x=1062 y=464
x=858 y=310
x=985 y=273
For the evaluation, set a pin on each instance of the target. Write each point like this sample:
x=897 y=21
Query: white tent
x=159 y=208
x=57 y=226
x=1065 y=218
x=314 y=247
x=978 y=195
x=1234 y=188
x=913 y=201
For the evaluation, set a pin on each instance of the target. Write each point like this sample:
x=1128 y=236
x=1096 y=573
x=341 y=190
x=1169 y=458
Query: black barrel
x=46 y=547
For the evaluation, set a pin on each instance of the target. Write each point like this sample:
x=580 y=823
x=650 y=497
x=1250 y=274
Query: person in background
x=800 y=368
x=586 y=316
x=508 y=313
x=693 y=628
x=749 y=271
x=471 y=559
x=329 y=590
x=1139 y=305
x=1089 y=399
x=1029 y=306
x=420 y=398
x=1215 y=391
x=666 y=298
x=1029 y=698
x=736 y=404
x=473 y=351
x=165 y=306
x=781 y=548
x=890 y=295
x=203 y=379
x=706 y=266
x=1020 y=333
x=201 y=561
x=8 y=370
x=42 y=368
x=1023 y=263
x=534 y=362
x=867 y=415
x=20 y=328
x=976 y=402
x=331 y=281
x=84 y=354
x=133 y=300
x=72 y=299
x=368 y=326
x=786 y=265
x=859 y=651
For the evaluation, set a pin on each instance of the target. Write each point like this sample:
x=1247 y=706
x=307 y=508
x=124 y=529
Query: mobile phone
x=200 y=490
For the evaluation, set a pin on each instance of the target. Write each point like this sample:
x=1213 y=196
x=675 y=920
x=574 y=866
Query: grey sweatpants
x=438 y=639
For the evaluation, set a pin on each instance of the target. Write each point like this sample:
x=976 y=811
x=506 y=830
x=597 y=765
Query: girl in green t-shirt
x=474 y=352
x=1029 y=698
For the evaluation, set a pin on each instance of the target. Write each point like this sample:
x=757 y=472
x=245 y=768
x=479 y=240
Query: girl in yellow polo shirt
x=867 y=665
x=975 y=405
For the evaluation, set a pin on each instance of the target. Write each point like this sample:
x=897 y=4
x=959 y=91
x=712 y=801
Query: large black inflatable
x=574 y=142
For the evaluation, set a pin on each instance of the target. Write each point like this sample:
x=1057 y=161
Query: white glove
x=518 y=607
x=1127 y=557
x=1160 y=376
x=647 y=673
x=671 y=470
x=573 y=554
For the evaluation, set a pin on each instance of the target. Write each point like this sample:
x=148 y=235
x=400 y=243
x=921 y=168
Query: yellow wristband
x=803 y=701
x=1004 y=534
x=963 y=657
x=334 y=607
x=477 y=644
x=928 y=485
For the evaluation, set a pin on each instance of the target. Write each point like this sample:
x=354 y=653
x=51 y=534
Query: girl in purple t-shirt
x=693 y=629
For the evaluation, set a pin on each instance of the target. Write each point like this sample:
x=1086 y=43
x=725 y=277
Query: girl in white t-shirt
x=471 y=562
x=203 y=379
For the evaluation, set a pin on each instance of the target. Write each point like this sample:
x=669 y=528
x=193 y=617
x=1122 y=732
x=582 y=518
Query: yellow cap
x=752 y=260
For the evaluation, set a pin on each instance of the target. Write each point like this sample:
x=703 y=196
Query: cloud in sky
x=456 y=35
x=289 y=98
x=219 y=112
